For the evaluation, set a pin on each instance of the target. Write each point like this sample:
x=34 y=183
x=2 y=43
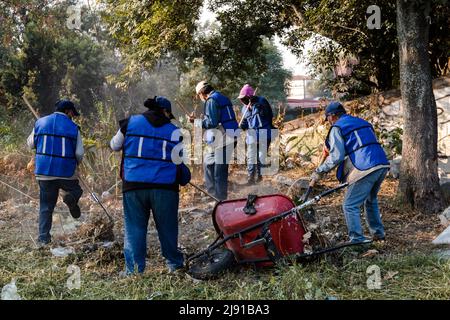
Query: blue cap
x=162 y=102
x=334 y=108
x=64 y=105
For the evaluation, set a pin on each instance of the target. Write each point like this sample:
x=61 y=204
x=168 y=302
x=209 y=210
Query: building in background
x=303 y=97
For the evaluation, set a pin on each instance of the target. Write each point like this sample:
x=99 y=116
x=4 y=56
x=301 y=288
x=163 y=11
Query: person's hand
x=314 y=178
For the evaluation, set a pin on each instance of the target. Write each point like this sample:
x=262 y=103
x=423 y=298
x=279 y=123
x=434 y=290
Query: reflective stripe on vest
x=55 y=138
x=361 y=144
x=147 y=152
x=227 y=117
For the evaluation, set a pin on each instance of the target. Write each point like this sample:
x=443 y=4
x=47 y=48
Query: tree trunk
x=419 y=181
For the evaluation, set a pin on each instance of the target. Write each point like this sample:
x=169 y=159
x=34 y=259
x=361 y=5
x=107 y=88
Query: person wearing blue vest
x=257 y=120
x=221 y=138
x=59 y=150
x=151 y=175
x=360 y=161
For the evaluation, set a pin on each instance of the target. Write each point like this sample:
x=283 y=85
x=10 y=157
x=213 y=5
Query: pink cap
x=246 y=90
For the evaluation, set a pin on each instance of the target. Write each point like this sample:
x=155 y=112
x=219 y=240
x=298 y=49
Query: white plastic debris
x=108 y=244
x=443 y=238
x=61 y=252
x=9 y=292
x=106 y=195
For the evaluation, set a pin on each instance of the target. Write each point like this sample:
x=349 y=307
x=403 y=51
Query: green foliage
x=338 y=32
x=392 y=141
x=403 y=276
x=43 y=57
x=148 y=30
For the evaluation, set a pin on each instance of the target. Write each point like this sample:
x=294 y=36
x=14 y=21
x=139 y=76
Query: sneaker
x=177 y=271
x=42 y=244
x=74 y=209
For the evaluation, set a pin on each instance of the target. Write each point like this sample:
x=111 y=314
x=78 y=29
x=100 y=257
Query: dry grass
x=409 y=269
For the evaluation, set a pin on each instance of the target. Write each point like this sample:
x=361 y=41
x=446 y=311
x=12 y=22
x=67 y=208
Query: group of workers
x=152 y=178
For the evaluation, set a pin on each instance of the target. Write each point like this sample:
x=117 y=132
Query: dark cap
x=159 y=102
x=64 y=105
x=334 y=108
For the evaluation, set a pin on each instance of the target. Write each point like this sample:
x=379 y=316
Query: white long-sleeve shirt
x=117 y=141
x=79 y=153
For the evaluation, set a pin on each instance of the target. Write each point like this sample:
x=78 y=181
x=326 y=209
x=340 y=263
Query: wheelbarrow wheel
x=211 y=266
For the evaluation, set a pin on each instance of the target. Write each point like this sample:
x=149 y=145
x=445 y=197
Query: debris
x=445 y=217
x=61 y=252
x=306 y=237
x=9 y=291
x=394 y=170
x=108 y=244
x=98 y=228
x=443 y=238
x=370 y=253
x=106 y=195
x=155 y=295
x=280 y=179
x=444 y=220
x=390 y=275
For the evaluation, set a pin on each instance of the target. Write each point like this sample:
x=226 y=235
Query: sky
x=290 y=61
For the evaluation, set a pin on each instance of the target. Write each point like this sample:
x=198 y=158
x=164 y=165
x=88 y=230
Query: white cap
x=200 y=86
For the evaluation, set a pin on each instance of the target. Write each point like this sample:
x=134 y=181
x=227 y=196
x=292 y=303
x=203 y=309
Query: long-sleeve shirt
x=79 y=153
x=337 y=155
x=211 y=120
x=211 y=114
x=336 y=152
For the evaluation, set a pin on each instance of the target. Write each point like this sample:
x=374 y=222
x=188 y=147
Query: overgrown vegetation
x=410 y=276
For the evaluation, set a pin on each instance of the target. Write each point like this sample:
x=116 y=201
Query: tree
x=419 y=181
x=343 y=33
x=43 y=57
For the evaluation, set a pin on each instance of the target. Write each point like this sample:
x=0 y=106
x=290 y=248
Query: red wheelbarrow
x=258 y=230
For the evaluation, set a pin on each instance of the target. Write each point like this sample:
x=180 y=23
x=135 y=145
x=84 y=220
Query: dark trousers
x=49 y=191
x=216 y=172
x=137 y=205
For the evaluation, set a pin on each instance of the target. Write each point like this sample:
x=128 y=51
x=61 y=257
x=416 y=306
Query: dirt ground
x=406 y=230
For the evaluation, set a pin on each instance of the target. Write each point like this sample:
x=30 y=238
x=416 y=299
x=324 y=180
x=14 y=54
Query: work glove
x=314 y=178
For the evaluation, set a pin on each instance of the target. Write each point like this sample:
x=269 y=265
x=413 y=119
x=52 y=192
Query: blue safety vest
x=55 y=138
x=227 y=116
x=361 y=145
x=147 y=152
x=258 y=120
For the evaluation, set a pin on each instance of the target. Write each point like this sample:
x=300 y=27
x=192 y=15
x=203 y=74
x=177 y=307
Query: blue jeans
x=256 y=158
x=48 y=196
x=216 y=172
x=164 y=205
x=364 y=192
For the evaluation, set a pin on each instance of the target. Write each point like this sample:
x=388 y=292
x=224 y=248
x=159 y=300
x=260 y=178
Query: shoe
x=74 y=209
x=42 y=244
x=376 y=238
x=259 y=179
x=177 y=271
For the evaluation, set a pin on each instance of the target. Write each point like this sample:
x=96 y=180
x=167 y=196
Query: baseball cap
x=246 y=90
x=200 y=86
x=334 y=108
x=64 y=105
